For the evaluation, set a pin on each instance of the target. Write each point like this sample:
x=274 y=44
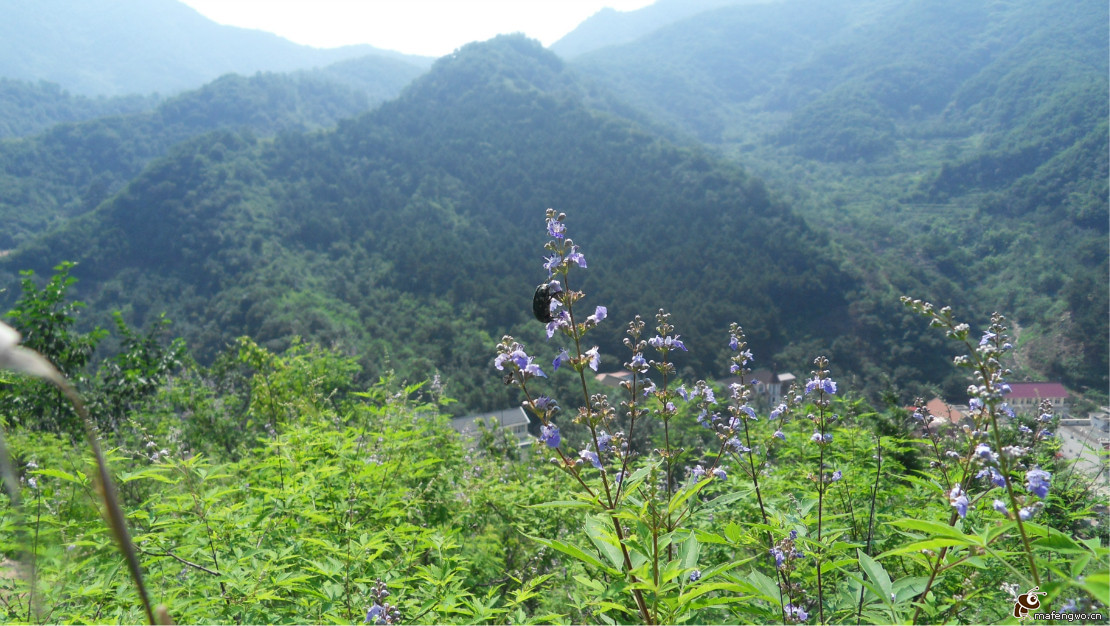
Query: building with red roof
x=1027 y=397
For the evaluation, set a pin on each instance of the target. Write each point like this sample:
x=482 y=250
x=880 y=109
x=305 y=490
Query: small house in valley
x=514 y=420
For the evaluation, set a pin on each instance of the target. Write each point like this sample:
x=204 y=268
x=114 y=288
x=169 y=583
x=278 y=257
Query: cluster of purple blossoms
x=826 y=385
x=1037 y=482
x=821 y=439
x=549 y=434
x=512 y=354
x=795 y=614
x=699 y=472
x=381 y=611
x=668 y=343
x=996 y=478
x=958 y=499
x=591 y=457
x=786 y=551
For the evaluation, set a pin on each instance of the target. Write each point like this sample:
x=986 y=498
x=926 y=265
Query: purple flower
x=543 y=403
x=638 y=363
x=780 y=435
x=574 y=256
x=780 y=556
x=959 y=500
x=550 y=263
x=649 y=388
x=1045 y=434
x=604 y=441
x=1000 y=506
x=734 y=343
x=1025 y=513
x=561 y=320
x=778 y=411
x=698 y=472
x=837 y=475
x=591 y=456
x=556 y=229
x=983 y=451
x=600 y=313
x=737 y=446
x=720 y=473
x=749 y=411
x=376 y=615
x=995 y=477
x=560 y=358
x=1036 y=481
x=695 y=575
x=824 y=384
x=520 y=359
x=683 y=393
x=594 y=358
x=795 y=613
x=550 y=435
x=667 y=343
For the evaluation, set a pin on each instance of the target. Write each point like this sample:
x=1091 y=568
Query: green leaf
x=688 y=554
x=574 y=552
x=918 y=546
x=935 y=529
x=80 y=478
x=606 y=543
x=1059 y=542
x=876 y=573
x=1098 y=585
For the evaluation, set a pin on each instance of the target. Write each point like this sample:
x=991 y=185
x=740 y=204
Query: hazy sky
x=427 y=27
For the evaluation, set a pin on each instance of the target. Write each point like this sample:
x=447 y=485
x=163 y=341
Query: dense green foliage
x=30 y=108
x=967 y=137
x=401 y=233
x=273 y=488
x=71 y=168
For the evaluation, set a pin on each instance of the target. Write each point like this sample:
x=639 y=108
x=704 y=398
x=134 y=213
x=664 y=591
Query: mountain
x=118 y=47
x=412 y=235
x=29 y=108
x=609 y=27
x=72 y=167
x=967 y=136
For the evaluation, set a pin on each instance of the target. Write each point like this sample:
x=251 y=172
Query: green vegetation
x=399 y=236
x=274 y=487
x=951 y=148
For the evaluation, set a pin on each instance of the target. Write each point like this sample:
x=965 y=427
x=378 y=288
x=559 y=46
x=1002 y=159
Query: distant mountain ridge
x=70 y=168
x=120 y=47
x=609 y=27
x=967 y=135
x=413 y=234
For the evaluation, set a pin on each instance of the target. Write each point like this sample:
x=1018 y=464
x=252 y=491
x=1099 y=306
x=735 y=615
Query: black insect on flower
x=541 y=301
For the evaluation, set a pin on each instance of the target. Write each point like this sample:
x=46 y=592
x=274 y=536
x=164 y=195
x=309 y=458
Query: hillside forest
x=244 y=316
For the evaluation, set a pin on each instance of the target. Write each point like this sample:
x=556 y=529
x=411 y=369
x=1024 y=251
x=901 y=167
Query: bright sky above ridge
x=426 y=27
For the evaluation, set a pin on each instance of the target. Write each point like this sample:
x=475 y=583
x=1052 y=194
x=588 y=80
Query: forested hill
x=413 y=235
x=28 y=108
x=965 y=135
x=121 y=47
x=70 y=168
